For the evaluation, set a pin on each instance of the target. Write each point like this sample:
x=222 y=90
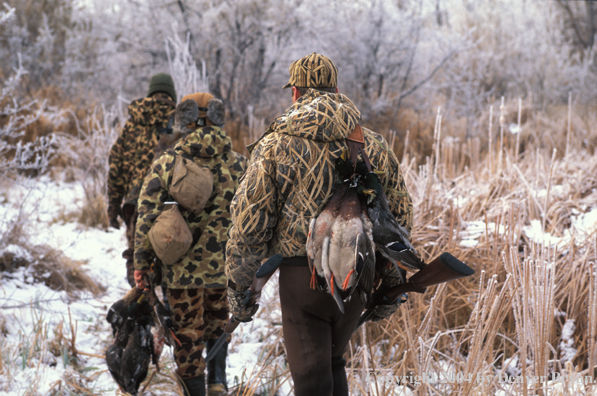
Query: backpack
x=191 y=188
x=192 y=185
x=170 y=236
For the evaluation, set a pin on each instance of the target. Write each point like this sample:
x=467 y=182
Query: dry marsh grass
x=508 y=206
x=529 y=310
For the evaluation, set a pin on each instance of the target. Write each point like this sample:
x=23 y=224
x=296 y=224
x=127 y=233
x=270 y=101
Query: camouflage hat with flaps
x=313 y=71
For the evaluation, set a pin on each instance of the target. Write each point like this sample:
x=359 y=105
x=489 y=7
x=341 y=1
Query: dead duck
x=391 y=239
x=136 y=356
x=114 y=352
x=339 y=243
x=140 y=324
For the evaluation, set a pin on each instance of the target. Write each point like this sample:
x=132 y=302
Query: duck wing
x=136 y=357
x=391 y=239
x=320 y=228
x=114 y=352
x=366 y=257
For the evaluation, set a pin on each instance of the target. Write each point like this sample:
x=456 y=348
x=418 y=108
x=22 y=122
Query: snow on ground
x=25 y=306
x=582 y=226
x=476 y=229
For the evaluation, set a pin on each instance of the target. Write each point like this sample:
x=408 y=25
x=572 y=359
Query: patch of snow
x=567 y=350
x=475 y=229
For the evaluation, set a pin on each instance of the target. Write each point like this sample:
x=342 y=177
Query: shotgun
x=263 y=274
x=443 y=269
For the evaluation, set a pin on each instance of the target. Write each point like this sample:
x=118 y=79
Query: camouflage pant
x=129 y=215
x=198 y=315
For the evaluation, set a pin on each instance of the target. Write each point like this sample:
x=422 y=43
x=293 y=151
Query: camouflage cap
x=313 y=71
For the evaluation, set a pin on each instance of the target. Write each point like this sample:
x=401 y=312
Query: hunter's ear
x=216 y=112
x=187 y=113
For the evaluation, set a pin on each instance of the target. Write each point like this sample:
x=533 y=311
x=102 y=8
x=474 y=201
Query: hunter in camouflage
x=132 y=154
x=196 y=283
x=290 y=179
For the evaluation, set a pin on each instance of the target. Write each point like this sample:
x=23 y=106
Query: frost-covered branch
x=16 y=116
x=183 y=69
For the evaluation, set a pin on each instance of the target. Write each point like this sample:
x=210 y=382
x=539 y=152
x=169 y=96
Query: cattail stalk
x=519 y=130
x=569 y=124
x=502 y=121
x=490 y=152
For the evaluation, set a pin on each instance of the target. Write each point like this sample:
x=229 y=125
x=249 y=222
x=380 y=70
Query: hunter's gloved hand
x=384 y=311
x=239 y=311
x=141 y=279
x=114 y=211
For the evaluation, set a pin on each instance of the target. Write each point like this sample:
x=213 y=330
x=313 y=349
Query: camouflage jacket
x=292 y=176
x=203 y=264
x=133 y=152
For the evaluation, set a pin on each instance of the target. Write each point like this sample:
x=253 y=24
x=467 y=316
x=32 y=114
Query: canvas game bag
x=170 y=236
x=192 y=185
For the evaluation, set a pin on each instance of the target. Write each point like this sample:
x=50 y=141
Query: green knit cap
x=162 y=82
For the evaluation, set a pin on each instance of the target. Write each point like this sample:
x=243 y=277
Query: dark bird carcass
x=390 y=238
x=140 y=325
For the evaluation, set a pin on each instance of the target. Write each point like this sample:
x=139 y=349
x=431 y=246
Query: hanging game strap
x=356 y=145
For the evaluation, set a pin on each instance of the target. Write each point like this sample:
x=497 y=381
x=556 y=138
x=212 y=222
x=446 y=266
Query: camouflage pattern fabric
x=292 y=176
x=314 y=71
x=133 y=152
x=203 y=264
x=198 y=315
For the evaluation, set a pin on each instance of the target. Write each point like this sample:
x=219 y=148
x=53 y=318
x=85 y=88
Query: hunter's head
x=312 y=71
x=162 y=83
x=198 y=110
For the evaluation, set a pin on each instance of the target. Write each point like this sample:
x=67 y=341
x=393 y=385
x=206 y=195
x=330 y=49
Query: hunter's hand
x=140 y=279
x=113 y=212
x=240 y=312
x=384 y=311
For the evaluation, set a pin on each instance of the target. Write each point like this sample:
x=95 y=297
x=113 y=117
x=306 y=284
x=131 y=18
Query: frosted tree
x=183 y=69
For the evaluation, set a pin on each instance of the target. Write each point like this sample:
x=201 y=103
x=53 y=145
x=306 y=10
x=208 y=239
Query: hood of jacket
x=151 y=110
x=319 y=116
x=205 y=142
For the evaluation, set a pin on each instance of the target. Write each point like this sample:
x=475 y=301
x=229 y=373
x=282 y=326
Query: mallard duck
x=339 y=244
x=391 y=239
x=351 y=256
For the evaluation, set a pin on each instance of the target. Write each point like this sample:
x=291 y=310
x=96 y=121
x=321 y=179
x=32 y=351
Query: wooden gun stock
x=443 y=269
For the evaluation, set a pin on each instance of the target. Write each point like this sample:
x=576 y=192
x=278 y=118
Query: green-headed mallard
x=391 y=239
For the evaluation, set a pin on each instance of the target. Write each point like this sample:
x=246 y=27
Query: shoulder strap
x=356 y=145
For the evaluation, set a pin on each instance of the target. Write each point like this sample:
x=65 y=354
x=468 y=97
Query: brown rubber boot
x=194 y=386
x=216 y=370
